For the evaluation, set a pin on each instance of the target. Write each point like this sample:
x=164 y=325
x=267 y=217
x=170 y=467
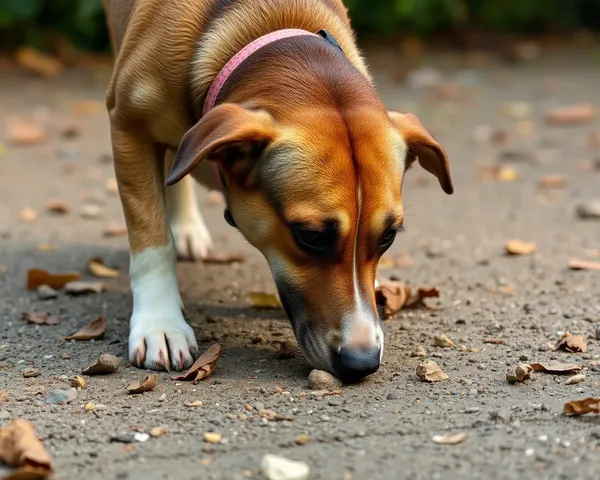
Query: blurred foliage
x=82 y=21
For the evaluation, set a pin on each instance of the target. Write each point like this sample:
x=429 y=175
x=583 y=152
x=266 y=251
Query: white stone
x=275 y=467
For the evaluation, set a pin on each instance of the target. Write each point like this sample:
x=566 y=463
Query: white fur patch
x=159 y=336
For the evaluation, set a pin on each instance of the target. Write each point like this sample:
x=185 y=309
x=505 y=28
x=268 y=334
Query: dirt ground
x=383 y=427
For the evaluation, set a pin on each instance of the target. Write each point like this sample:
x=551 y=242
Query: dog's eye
x=311 y=238
x=388 y=238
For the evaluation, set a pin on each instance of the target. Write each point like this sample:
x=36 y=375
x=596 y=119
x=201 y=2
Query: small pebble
x=58 y=397
x=442 y=341
x=4 y=414
x=44 y=292
x=275 y=467
x=579 y=378
x=162 y=398
x=32 y=372
x=106 y=364
x=124 y=438
x=89 y=211
x=419 y=352
x=141 y=437
x=212 y=437
x=301 y=439
x=589 y=210
x=321 y=380
x=158 y=432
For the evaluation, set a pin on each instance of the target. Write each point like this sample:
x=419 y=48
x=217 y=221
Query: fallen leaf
x=144 y=385
x=572 y=343
x=287 y=350
x=449 y=439
x=575 y=379
x=57 y=207
x=556 y=367
x=519 y=373
x=158 y=432
x=28 y=214
x=106 y=364
x=97 y=267
x=223 y=259
x=204 y=366
x=419 y=352
x=195 y=403
x=442 y=341
x=39 y=318
x=571 y=115
x=581 y=407
x=519 y=247
x=37 y=277
x=326 y=393
x=77 y=381
x=391 y=296
x=494 y=341
x=552 y=181
x=264 y=300
x=575 y=264
x=114 y=230
x=20 y=447
x=37 y=62
x=430 y=372
x=95 y=330
x=84 y=287
x=22 y=133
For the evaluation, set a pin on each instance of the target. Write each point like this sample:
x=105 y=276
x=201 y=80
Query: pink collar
x=235 y=62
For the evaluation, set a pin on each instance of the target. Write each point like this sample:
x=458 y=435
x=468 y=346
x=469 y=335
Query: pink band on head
x=243 y=54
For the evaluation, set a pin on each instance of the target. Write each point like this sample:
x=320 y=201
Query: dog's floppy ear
x=230 y=135
x=423 y=146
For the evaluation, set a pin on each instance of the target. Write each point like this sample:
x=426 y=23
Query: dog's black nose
x=352 y=365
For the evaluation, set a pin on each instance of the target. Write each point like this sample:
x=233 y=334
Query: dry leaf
x=28 y=214
x=556 y=367
x=195 y=403
x=575 y=264
x=287 y=350
x=93 y=331
x=442 y=341
x=581 y=407
x=571 y=115
x=519 y=373
x=204 y=366
x=552 y=181
x=96 y=267
x=572 y=343
x=37 y=62
x=158 y=432
x=106 y=364
x=84 y=287
x=77 y=381
x=575 y=379
x=20 y=447
x=494 y=341
x=57 y=207
x=224 y=259
x=37 y=277
x=519 y=247
x=144 y=385
x=22 y=133
x=264 y=300
x=449 y=439
x=39 y=318
x=391 y=296
x=430 y=372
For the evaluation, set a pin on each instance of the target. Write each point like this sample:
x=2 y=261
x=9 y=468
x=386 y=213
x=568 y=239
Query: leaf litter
x=204 y=366
x=581 y=407
x=106 y=364
x=450 y=439
x=21 y=448
x=37 y=277
x=97 y=268
x=146 y=384
x=39 y=318
x=94 y=331
x=572 y=343
x=430 y=372
x=391 y=296
x=554 y=366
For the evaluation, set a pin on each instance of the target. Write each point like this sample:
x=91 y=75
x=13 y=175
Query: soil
x=381 y=428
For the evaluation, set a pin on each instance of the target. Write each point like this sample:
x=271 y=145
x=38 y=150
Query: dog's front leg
x=159 y=336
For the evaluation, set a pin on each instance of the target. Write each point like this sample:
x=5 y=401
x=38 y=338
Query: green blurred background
x=41 y=23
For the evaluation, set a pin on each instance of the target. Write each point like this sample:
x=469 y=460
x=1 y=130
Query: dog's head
x=319 y=192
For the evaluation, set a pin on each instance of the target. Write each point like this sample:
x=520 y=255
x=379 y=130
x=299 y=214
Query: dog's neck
x=237 y=27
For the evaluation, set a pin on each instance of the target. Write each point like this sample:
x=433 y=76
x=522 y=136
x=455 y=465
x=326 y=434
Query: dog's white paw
x=192 y=239
x=162 y=343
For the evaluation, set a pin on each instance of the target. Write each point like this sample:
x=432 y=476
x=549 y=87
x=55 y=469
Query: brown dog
x=311 y=162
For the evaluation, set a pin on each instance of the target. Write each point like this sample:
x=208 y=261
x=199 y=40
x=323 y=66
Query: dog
x=271 y=101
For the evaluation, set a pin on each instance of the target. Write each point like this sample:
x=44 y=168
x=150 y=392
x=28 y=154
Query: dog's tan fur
x=299 y=133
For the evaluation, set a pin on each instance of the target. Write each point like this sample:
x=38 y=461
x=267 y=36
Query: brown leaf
x=519 y=373
x=57 y=207
x=22 y=133
x=581 y=407
x=37 y=277
x=20 y=447
x=264 y=300
x=552 y=181
x=494 y=341
x=442 y=341
x=571 y=115
x=144 y=385
x=420 y=295
x=555 y=367
x=572 y=343
x=37 y=62
x=93 y=331
x=223 y=259
x=449 y=439
x=391 y=296
x=287 y=350
x=107 y=363
x=575 y=264
x=204 y=366
x=97 y=267
x=39 y=318
x=519 y=247
x=430 y=372
x=326 y=393
x=84 y=287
